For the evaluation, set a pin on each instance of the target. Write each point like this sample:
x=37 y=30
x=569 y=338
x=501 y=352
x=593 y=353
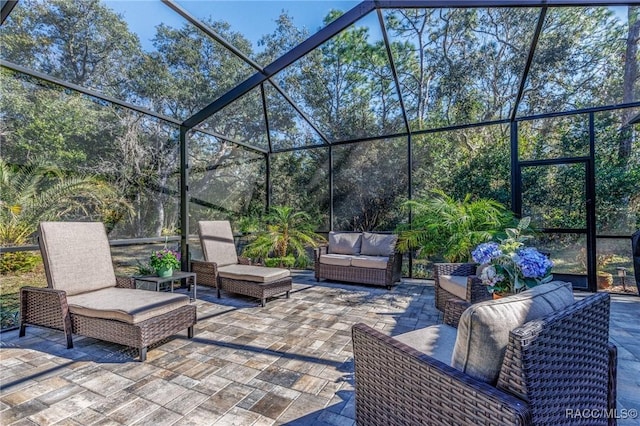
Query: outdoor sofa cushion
x=436 y=341
x=257 y=274
x=345 y=242
x=83 y=263
x=373 y=262
x=217 y=242
x=378 y=244
x=124 y=304
x=336 y=259
x=483 y=330
x=454 y=284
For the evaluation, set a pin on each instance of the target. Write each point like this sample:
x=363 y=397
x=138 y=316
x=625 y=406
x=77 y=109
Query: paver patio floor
x=288 y=363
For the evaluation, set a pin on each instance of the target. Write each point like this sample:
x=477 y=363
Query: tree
x=285 y=232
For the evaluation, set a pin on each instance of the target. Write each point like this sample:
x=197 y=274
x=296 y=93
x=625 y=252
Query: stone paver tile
x=20 y=411
x=160 y=391
x=309 y=384
x=279 y=376
x=159 y=417
x=237 y=417
x=306 y=407
x=238 y=373
x=107 y=383
x=186 y=402
x=134 y=411
x=222 y=401
x=199 y=417
x=271 y=405
x=59 y=394
x=330 y=418
x=212 y=384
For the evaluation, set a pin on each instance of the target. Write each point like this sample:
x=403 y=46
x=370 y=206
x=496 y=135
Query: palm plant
x=443 y=226
x=284 y=232
x=37 y=192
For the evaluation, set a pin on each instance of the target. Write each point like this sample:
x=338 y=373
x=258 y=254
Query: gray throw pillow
x=345 y=242
x=378 y=244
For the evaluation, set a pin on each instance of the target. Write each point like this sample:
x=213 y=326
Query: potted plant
x=509 y=266
x=165 y=261
x=604 y=279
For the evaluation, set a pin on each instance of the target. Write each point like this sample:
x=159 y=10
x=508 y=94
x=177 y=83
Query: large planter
x=164 y=272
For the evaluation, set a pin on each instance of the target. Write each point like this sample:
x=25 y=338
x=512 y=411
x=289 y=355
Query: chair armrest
x=207 y=272
x=613 y=382
x=320 y=250
x=476 y=290
x=461 y=269
x=244 y=260
x=453 y=311
x=396 y=384
x=125 y=282
x=45 y=307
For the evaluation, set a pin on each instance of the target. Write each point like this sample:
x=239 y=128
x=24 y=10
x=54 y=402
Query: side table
x=190 y=278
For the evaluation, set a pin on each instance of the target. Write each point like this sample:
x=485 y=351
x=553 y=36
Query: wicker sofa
x=551 y=362
x=85 y=297
x=364 y=258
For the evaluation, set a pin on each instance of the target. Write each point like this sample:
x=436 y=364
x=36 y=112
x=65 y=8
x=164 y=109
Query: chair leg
x=263 y=302
x=218 y=293
x=23 y=329
x=143 y=354
x=287 y=294
x=190 y=332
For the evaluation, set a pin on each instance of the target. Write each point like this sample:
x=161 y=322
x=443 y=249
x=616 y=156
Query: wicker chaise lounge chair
x=223 y=269
x=85 y=297
x=555 y=369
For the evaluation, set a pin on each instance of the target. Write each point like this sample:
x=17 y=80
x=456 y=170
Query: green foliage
x=284 y=262
x=443 y=226
x=22 y=261
x=37 y=192
x=284 y=232
x=164 y=259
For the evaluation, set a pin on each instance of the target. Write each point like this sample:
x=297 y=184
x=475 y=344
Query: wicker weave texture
x=261 y=291
x=397 y=385
x=476 y=291
x=207 y=272
x=381 y=277
x=561 y=362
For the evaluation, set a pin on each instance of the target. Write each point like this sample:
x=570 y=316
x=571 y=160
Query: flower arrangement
x=165 y=259
x=510 y=266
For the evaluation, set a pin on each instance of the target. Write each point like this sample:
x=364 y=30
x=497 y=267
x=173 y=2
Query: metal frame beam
x=437 y=4
x=527 y=66
x=53 y=80
x=7 y=8
x=284 y=61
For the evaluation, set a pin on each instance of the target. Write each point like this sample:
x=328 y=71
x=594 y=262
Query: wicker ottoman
x=260 y=290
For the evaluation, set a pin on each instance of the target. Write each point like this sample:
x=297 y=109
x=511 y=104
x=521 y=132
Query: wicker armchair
x=224 y=270
x=475 y=290
x=85 y=297
x=553 y=368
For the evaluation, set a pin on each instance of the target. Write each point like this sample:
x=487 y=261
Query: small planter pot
x=164 y=272
x=604 y=280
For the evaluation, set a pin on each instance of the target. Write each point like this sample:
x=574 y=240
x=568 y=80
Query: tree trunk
x=630 y=77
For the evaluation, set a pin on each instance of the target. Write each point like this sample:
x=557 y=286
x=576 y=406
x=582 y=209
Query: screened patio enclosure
x=195 y=113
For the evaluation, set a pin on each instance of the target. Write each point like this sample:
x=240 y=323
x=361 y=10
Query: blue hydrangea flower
x=485 y=252
x=532 y=263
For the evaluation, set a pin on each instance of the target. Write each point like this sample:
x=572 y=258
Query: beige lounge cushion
x=125 y=304
x=454 y=284
x=345 y=242
x=258 y=274
x=371 y=262
x=336 y=259
x=217 y=242
x=378 y=244
x=483 y=330
x=437 y=341
x=77 y=256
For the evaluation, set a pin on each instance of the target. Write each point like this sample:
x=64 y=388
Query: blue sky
x=253 y=18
